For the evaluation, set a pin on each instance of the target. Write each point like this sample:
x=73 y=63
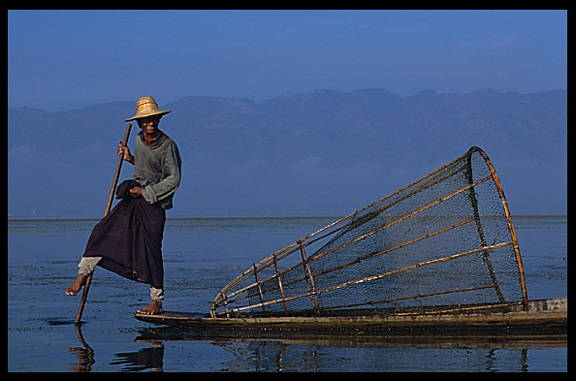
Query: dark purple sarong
x=129 y=238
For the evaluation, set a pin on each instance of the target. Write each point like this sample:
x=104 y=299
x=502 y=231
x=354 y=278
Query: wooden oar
x=106 y=211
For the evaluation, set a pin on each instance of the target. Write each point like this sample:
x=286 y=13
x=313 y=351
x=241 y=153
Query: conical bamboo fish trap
x=443 y=243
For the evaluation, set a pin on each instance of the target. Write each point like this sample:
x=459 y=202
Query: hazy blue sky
x=61 y=60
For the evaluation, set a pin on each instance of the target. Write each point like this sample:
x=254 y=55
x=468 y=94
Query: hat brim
x=135 y=117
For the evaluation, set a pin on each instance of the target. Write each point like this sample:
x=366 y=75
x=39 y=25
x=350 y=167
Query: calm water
x=201 y=256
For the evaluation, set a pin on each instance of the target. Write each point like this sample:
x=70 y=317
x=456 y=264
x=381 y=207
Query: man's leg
x=155 y=307
x=85 y=267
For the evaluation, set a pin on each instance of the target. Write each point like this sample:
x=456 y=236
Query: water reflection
x=347 y=352
x=84 y=354
x=270 y=356
x=145 y=359
x=333 y=353
x=278 y=356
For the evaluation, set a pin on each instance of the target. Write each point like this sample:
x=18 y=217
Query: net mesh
x=443 y=243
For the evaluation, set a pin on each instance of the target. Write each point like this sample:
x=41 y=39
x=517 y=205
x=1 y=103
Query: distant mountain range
x=322 y=153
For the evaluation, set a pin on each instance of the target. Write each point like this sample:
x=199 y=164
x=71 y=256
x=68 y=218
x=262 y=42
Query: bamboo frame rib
x=474 y=203
x=280 y=285
x=259 y=288
x=312 y=286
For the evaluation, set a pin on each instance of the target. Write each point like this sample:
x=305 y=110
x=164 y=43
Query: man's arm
x=170 y=181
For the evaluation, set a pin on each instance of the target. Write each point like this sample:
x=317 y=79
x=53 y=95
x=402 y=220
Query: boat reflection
x=330 y=352
x=310 y=353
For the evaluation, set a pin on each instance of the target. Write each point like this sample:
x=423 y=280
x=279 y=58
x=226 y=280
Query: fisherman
x=128 y=241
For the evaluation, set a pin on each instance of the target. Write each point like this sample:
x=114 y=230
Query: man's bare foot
x=154 y=308
x=77 y=285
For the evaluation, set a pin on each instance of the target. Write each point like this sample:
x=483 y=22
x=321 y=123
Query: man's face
x=150 y=124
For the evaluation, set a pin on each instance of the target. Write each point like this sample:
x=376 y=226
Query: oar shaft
x=106 y=211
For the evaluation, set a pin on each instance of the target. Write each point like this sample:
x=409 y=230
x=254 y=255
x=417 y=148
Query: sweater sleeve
x=166 y=187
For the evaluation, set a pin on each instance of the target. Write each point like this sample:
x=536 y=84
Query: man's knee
x=87 y=265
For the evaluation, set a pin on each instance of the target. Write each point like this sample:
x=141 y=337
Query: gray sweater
x=157 y=169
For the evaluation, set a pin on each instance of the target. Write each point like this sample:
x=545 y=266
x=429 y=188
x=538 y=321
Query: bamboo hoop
x=510 y=227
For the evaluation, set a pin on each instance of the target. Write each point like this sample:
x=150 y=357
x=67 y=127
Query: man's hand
x=124 y=150
x=135 y=192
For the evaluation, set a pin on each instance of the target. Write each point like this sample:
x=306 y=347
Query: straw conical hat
x=146 y=106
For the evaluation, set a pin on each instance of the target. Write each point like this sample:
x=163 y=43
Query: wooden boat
x=440 y=254
x=547 y=317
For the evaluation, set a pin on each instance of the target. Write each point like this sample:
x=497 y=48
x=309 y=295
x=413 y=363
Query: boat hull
x=548 y=316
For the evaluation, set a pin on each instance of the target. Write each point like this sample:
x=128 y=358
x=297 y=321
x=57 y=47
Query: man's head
x=149 y=124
